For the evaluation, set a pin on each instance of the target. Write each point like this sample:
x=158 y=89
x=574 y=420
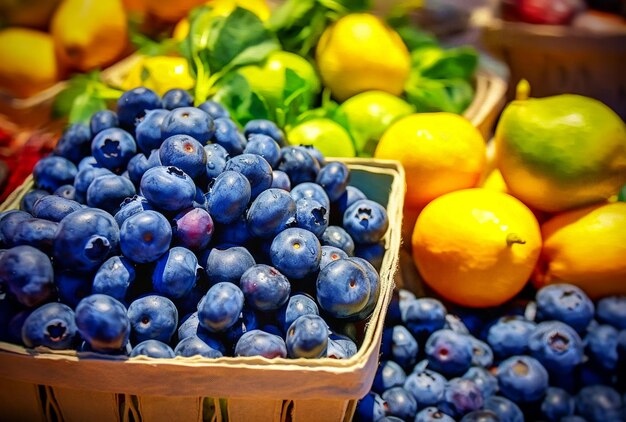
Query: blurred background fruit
x=368 y=115
x=27 y=61
x=359 y=52
x=561 y=152
x=159 y=73
x=476 y=247
x=324 y=134
x=27 y=13
x=585 y=247
x=170 y=11
x=89 y=33
x=441 y=152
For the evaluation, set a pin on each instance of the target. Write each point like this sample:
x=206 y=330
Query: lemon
x=324 y=134
x=441 y=152
x=585 y=247
x=561 y=152
x=359 y=52
x=369 y=114
x=159 y=73
x=476 y=247
x=89 y=34
x=27 y=61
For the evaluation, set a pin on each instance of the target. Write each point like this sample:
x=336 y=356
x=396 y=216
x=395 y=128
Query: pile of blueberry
x=164 y=229
x=559 y=357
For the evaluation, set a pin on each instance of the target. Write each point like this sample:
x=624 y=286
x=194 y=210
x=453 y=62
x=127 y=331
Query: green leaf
x=84 y=106
x=235 y=94
x=290 y=13
x=460 y=62
x=450 y=95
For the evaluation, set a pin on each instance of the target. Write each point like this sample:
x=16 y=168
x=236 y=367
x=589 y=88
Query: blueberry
x=265 y=146
x=260 y=343
x=297 y=305
x=190 y=121
x=152 y=317
x=113 y=148
x=280 y=180
x=114 y=277
x=347 y=198
x=216 y=157
x=194 y=346
x=506 y=409
x=103 y=323
x=271 y=212
x=228 y=197
x=83 y=179
x=509 y=336
x=148 y=130
x=193 y=228
x=343 y=288
x=75 y=143
x=219 y=309
x=400 y=403
x=85 y=239
x=388 y=374
x=480 y=416
x=330 y=254
x=153 y=349
x=246 y=322
x=145 y=236
x=599 y=403
x=51 y=172
x=264 y=287
x=72 y=287
x=566 y=303
x=310 y=190
x=66 y=192
x=556 y=345
x=184 y=152
x=235 y=233
x=131 y=206
x=88 y=162
x=557 y=404
x=54 y=208
x=103 y=119
x=229 y=264
x=51 y=325
x=432 y=414
x=338 y=237
x=10 y=221
x=29 y=199
x=307 y=337
x=175 y=273
x=176 y=97
x=374 y=281
x=481 y=353
x=461 y=396
x=601 y=344
x=108 y=192
x=133 y=105
x=426 y=386
x=366 y=221
x=264 y=127
x=486 y=382
x=448 y=352
x=374 y=253
x=522 y=379
x=36 y=232
x=299 y=165
x=612 y=310
x=334 y=178
x=338 y=350
x=214 y=109
x=256 y=169
x=423 y=316
x=228 y=136
x=136 y=167
x=168 y=188
x=312 y=216
x=296 y=253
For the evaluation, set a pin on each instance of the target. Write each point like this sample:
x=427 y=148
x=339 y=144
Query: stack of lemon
x=552 y=217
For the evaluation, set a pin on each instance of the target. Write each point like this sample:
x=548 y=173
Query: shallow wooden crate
x=66 y=386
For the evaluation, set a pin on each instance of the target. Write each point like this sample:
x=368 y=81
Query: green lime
x=325 y=134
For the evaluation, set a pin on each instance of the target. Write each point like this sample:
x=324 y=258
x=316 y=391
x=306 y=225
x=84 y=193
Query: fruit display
x=561 y=357
x=184 y=234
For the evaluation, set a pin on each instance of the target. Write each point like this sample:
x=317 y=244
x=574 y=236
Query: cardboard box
x=63 y=386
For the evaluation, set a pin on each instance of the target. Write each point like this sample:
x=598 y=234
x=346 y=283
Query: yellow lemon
x=441 y=152
x=27 y=61
x=359 y=52
x=585 y=247
x=159 y=73
x=89 y=33
x=476 y=247
x=324 y=134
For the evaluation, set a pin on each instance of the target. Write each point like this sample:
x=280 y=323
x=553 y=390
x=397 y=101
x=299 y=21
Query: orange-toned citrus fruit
x=441 y=152
x=585 y=247
x=476 y=247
